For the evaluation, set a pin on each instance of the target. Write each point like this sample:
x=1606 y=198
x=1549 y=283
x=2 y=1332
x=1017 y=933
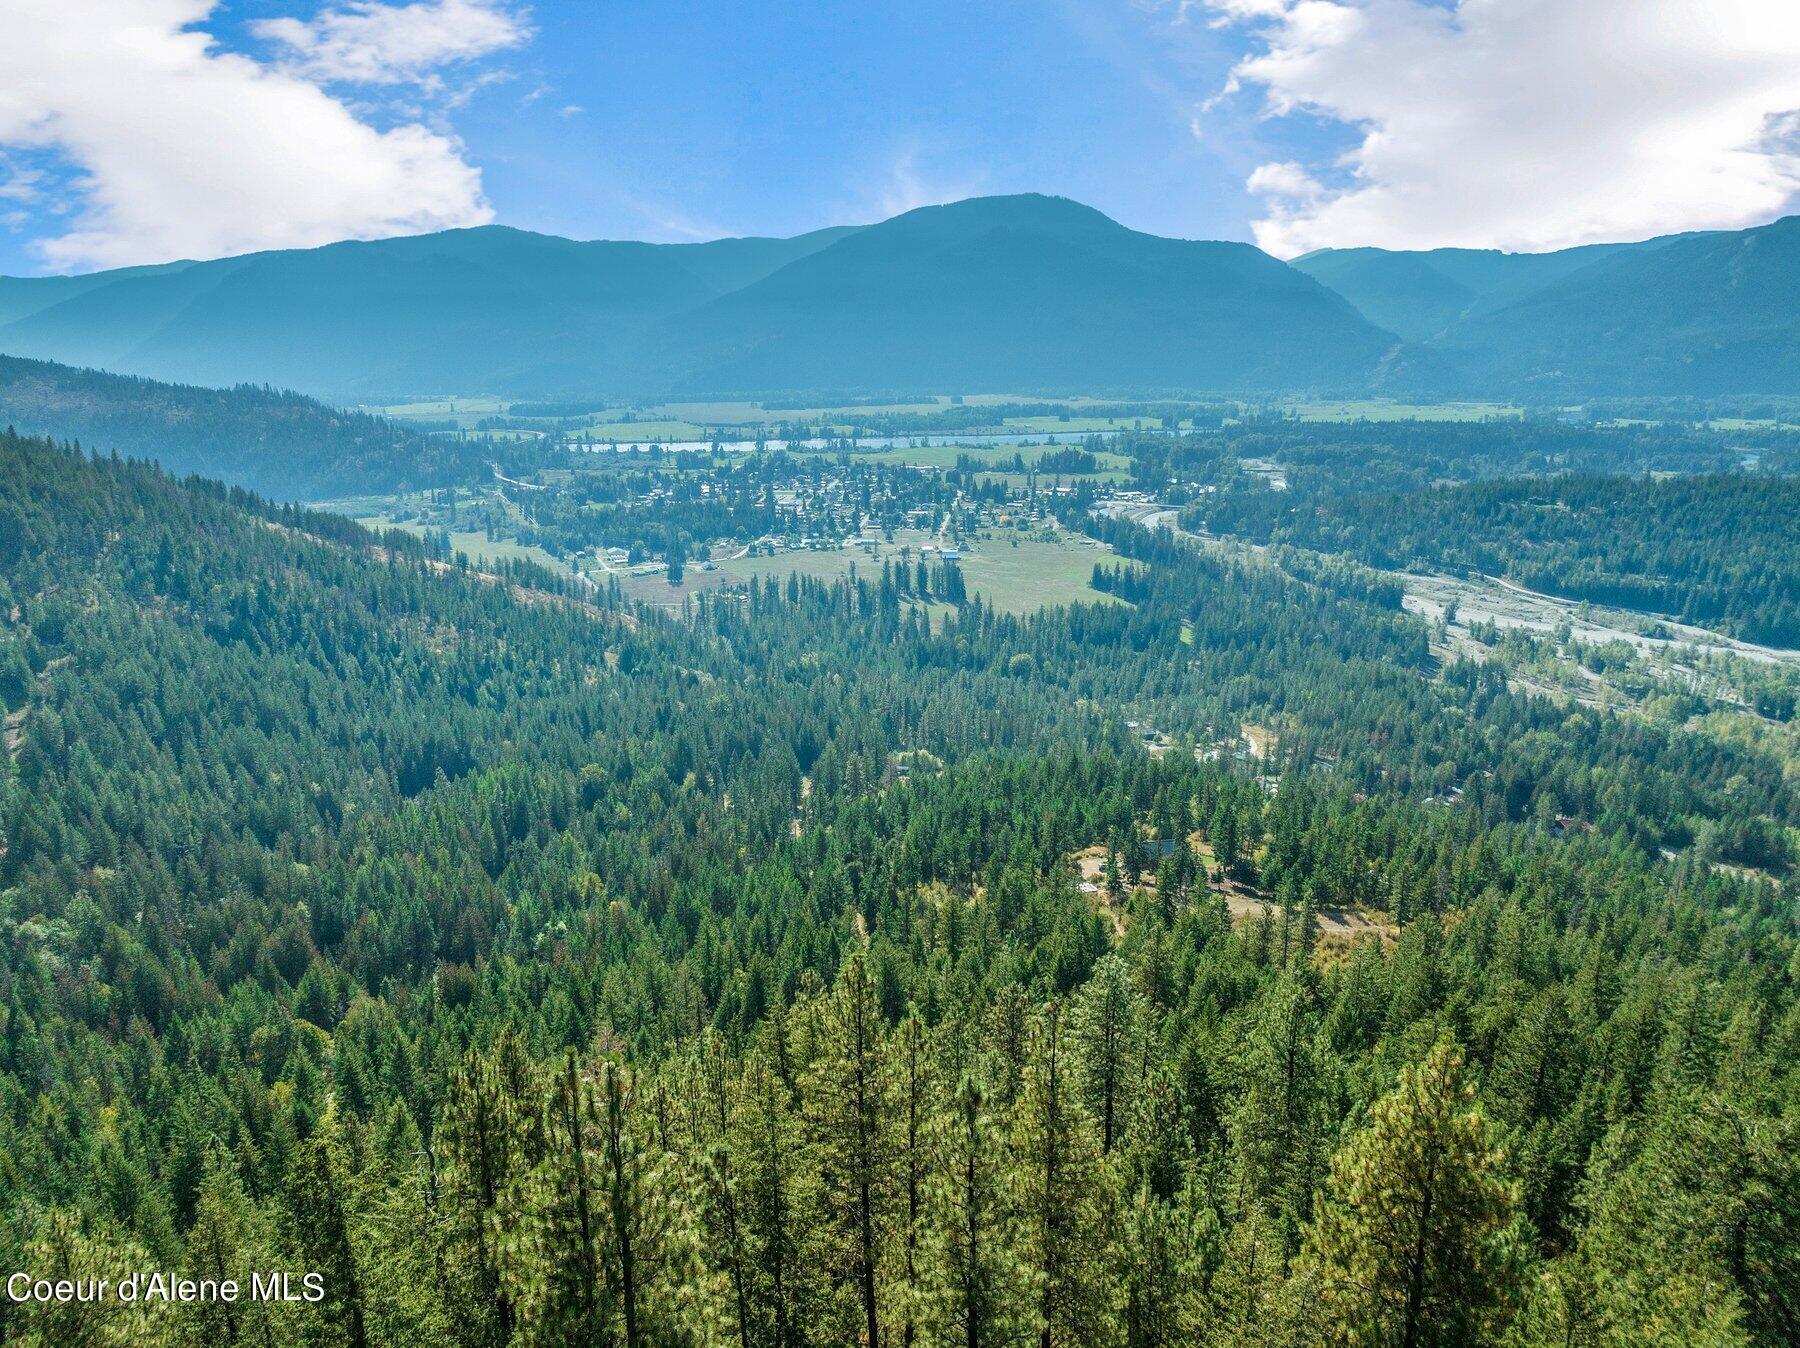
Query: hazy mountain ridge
x=1419 y=294
x=1683 y=314
x=281 y=444
x=459 y=309
x=1022 y=293
x=1025 y=293
x=1032 y=292
x=1701 y=314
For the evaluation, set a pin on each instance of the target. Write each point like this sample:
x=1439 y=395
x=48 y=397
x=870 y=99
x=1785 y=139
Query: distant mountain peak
x=1023 y=209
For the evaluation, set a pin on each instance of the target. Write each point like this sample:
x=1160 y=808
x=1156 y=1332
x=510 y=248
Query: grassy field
x=931 y=456
x=478 y=546
x=833 y=565
x=1379 y=409
x=446 y=407
x=667 y=429
x=501 y=550
x=700 y=420
x=1035 y=574
x=1749 y=424
x=748 y=413
x=1090 y=423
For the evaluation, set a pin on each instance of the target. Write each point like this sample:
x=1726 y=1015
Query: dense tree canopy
x=540 y=971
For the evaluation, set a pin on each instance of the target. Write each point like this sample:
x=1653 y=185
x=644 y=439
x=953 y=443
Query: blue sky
x=774 y=118
x=140 y=130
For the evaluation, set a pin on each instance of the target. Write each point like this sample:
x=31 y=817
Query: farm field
x=479 y=547
x=1379 y=409
x=749 y=413
x=1087 y=423
x=482 y=549
x=668 y=428
x=1036 y=574
x=446 y=407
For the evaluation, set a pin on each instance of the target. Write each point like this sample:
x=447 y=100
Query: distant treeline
x=1746 y=407
x=1717 y=549
x=1069 y=461
x=576 y=407
x=1396 y=455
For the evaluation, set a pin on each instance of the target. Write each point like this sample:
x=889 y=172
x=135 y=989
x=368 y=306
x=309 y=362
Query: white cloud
x=908 y=186
x=1525 y=124
x=183 y=150
x=18 y=184
x=366 y=43
x=1288 y=182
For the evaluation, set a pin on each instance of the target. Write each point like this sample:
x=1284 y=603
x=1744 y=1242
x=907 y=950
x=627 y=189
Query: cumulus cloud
x=179 y=149
x=1287 y=182
x=394 y=44
x=1524 y=124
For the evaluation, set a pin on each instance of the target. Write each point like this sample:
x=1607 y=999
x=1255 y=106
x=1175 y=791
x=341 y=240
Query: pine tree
x=980 y=1293
x=779 y=1185
x=1225 y=837
x=1419 y=1243
x=634 y=1220
x=1245 y=1295
x=616 y=1258
x=1062 y=1189
x=1537 y=1068
x=482 y=1166
x=1008 y=1037
x=1161 y=1274
x=1107 y=1028
x=1275 y=1125
x=723 y=1197
x=1693 y=1224
x=567 y=1292
x=850 y=1108
x=407 y=1293
x=63 y=1251
x=228 y=1241
x=321 y=1204
x=915 y=1083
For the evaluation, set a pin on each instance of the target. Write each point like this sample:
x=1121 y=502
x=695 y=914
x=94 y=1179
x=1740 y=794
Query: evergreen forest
x=816 y=965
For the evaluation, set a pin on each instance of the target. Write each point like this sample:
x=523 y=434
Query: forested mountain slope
x=1705 y=314
x=1419 y=294
x=365 y=915
x=1682 y=315
x=1012 y=292
x=281 y=444
x=22 y=296
x=1024 y=293
x=477 y=309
